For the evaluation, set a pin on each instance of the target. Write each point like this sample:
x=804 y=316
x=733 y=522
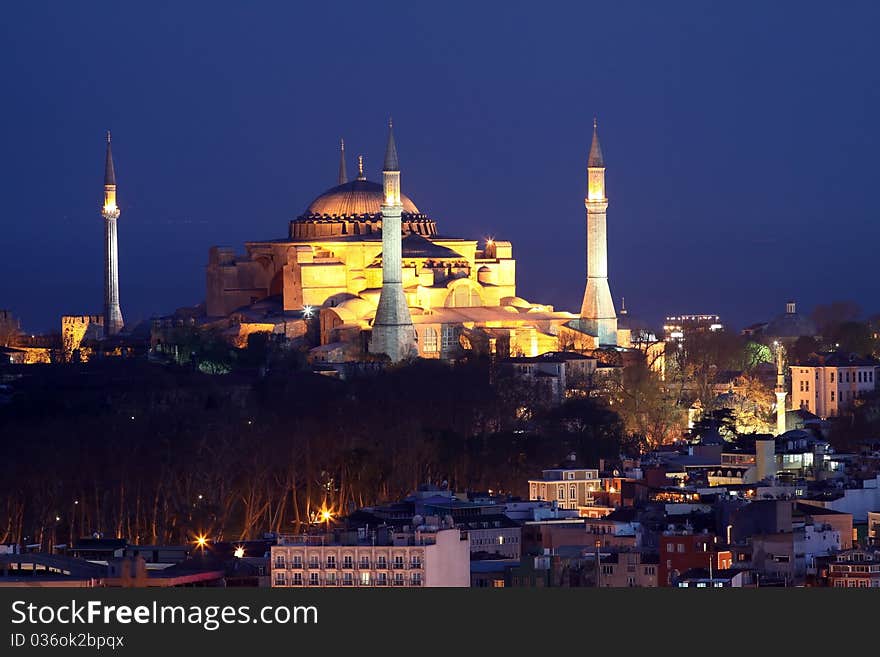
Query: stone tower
x=393 y=332
x=597 y=311
x=110 y=211
x=781 y=389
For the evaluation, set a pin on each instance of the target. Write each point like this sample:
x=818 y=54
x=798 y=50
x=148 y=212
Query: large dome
x=354 y=199
x=355 y=209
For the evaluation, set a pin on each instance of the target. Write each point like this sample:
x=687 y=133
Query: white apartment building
x=570 y=488
x=427 y=557
x=827 y=386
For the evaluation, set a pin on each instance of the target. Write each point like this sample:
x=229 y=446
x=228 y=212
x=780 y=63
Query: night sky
x=741 y=141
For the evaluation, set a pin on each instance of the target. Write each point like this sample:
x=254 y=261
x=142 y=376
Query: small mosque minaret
x=393 y=333
x=597 y=311
x=781 y=389
x=110 y=211
x=343 y=174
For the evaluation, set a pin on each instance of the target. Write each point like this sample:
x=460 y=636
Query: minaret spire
x=391 y=161
x=343 y=175
x=393 y=331
x=110 y=211
x=596 y=159
x=109 y=171
x=598 y=317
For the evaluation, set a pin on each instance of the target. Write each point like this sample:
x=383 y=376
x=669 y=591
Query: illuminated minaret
x=781 y=390
x=597 y=311
x=343 y=175
x=393 y=332
x=110 y=212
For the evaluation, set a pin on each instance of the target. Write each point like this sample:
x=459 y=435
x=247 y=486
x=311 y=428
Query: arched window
x=464 y=296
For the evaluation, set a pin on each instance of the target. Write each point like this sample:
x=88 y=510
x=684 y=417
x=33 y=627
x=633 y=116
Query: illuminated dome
x=355 y=208
x=355 y=198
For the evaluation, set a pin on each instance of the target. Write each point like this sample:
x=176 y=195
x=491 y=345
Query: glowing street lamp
x=308 y=311
x=201 y=541
x=239 y=551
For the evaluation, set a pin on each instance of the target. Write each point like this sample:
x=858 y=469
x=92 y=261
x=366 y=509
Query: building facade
x=855 y=568
x=828 y=385
x=571 y=488
x=429 y=558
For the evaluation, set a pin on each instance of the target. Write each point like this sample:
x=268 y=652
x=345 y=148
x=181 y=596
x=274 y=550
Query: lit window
x=429 y=344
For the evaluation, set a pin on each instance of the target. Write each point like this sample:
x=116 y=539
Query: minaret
x=781 y=391
x=393 y=332
x=597 y=311
x=343 y=175
x=110 y=212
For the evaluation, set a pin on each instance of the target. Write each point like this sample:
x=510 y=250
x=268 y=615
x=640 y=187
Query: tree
x=9 y=329
x=852 y=337
x=752 y=403
x=804 y=348
x=828 y=316
x=645 y=405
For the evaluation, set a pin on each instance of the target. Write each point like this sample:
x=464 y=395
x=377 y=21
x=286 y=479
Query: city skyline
x=702 y=177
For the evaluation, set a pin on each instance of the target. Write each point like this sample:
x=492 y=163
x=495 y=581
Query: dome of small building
x=791 y=324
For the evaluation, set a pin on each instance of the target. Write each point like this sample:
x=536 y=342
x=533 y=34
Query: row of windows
x=430 y=343
x=500 y=540
x=296 y=561
x=856 y=583
x=347 y=579
x=572 y=491
x=860 y=376
x=700 y=547
x=855 y=569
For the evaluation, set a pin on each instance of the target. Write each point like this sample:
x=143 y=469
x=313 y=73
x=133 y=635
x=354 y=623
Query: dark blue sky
x=741 y=141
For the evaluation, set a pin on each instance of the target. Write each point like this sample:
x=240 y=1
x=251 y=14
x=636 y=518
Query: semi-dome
x=354 y=199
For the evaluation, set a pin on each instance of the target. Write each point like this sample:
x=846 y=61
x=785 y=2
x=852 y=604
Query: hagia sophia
x=410 y=291
x=460 y=294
